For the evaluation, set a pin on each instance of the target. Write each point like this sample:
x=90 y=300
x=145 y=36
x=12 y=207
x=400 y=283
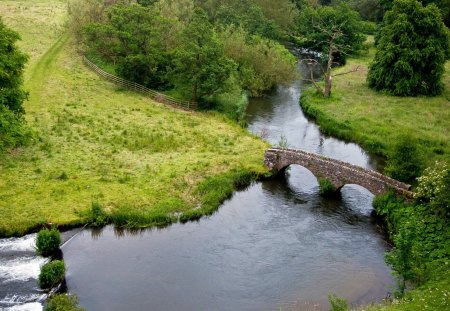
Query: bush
x=326 y=187
x=47 y=242
x=52 y=274
x=404 y=163
x=63 y=302
x=337 y=303
x=434 y=188
x=97 y=216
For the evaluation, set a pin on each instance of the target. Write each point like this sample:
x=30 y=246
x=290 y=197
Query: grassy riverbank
x=376 y=121
x=143 y=162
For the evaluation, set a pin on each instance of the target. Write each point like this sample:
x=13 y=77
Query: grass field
x=375 y=120
x=95 y=143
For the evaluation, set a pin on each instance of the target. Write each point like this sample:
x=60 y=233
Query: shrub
x=51 y=274
x=13 y=130
x=63 y=302
x=97 y=216
x=47 y=242
x=326 y=187
x=404 y=163
x=337 y=303
x=434 y=187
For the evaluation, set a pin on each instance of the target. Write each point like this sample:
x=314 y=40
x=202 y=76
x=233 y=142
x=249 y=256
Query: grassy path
x=42 y=69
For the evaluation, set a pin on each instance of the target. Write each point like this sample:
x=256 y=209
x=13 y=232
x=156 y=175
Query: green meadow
x=376 y=120
x=144 y=163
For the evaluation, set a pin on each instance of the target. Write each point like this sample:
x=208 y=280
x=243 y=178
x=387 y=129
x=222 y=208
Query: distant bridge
x=339 y=173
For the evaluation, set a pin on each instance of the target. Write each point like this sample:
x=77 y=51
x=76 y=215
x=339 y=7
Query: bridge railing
x=158 y=97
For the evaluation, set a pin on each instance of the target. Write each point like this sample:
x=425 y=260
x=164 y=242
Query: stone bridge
x=337 y=172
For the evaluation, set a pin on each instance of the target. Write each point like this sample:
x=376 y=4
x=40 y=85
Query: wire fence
x=159 y=97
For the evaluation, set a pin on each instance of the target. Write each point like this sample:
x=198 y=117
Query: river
x=276 y=245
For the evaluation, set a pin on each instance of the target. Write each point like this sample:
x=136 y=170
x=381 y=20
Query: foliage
x=370 y=10
x=63 y=302
x=443 y=5
x=421 y=239
x=85 y=12
x=434 y=188
x=97 y=216
x=405 y=162
x=318 y=25
x=411 y=51
x=52 y=273
x=326 y=187
x=12 y=64
x=201 y=67
x=13 y=131
x=136 y=39
x=47 y=242
x=261 y=63
x=252 y=20
x=337 y=303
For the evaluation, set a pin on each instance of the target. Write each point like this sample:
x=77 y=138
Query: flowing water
x=276 y=245
x=19 y=269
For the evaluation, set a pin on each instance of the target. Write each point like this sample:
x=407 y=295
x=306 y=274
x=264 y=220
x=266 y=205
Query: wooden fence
x=159 y=97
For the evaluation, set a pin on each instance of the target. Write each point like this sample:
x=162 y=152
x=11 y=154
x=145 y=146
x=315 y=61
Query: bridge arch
x=339 y=173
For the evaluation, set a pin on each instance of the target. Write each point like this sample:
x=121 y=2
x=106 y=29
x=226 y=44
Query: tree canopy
x=12 y=63
x=318 y=25
x=412 y=50
x=13 y=132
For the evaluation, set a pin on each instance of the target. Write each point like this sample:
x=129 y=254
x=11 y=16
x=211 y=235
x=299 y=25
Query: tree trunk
x=328 y=78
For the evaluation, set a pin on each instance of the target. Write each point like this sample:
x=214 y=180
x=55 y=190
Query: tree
x=13 y=131
x=12 y=63
x=201 y=67
x=336 y=32
x=412 y=50
x=443 y=5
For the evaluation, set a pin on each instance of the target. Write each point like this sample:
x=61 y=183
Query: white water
x=19 y=270
x=33 y=306
x=23 y=244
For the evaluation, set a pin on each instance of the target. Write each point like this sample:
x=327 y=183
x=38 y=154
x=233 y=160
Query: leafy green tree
x=339 y=23
x=13 y=131
x=12 y=63
x=201 y=67
x=262 y=63
x=412 y=50
x=443 y=5
x=137 y=40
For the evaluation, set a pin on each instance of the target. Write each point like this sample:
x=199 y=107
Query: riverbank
x=141 y=161
x=376 y=121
